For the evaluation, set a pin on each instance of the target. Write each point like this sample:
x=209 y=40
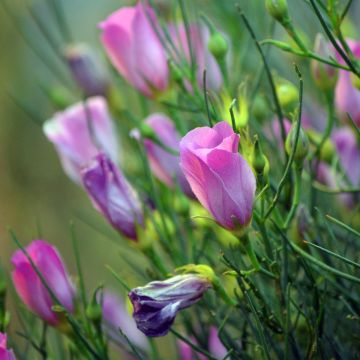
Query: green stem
x=296 y=196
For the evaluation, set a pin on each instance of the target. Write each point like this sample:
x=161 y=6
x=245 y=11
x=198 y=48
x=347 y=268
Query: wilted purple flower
x=115 y=316
x=112 y=195
x=347 y=97
x=219 y=176
x=29 y=286
x=204 y=59
x=164 y=164
x=157 y=303
x=134 y=48
x=5 y=354
x=87 y=69
x=80 y=132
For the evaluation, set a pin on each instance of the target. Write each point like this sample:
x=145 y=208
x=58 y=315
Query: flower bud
x=278 y=9
x=30 y=287
x=328 y=151
x=288 y=95
x=302 y=147
x=324 y=75
x=87 y=70
x=260 y=163
x=157 y=303
x=112 y=195
x=218 y=45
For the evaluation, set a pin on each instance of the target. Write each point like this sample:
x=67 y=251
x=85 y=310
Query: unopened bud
x=260 y=163
x=324 y=75
x=327 y=151
x=87 y=69
x=278 y=9
x=260 y=107
x=94 y=312
x=288 y=95
x=218 y=45
x=302 y=147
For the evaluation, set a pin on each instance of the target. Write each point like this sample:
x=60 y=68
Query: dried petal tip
x=157 y=303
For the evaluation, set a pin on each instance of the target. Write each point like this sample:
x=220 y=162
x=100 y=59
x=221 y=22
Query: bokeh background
x=36 y=197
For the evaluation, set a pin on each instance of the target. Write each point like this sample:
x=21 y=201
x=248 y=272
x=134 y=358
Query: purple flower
x=215 y=346
x=69 y=131
x=135 y=49
x=5 y=354
x=30 y=287
x=349 y=155
x=87 y=69
x=347 y=97
x=157 y=303
x=204 y=59
x=112 y=195
x=115 y=316
x=164 y=164
x=218 y=175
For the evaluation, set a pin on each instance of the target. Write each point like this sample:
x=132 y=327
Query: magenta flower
x=87 y=69
x=215 y=346
x=157 y=303
x=347 y=97
x=112 y=195
x=164 y=164
x=29 y=286
x=204 y=59
x=80 y=132
x=5 y=354
x=349 y=155
x=218 y=175
x=115 y=316
x=135 y=49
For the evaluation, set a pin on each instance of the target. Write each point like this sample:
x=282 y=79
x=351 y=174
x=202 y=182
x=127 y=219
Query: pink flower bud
x=164 y=164
x=347 y=96
x=87 y=69
x=29 y=286
x=134 y=48
x=112 y=195
x=219 y=176
x=5 y=354
x=80 y=132
x=200 y=36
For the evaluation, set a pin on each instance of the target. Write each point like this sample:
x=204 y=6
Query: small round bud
x=302 y=147
x=288 y=95
x=218 y=45
x=260 y=107
x=260 y=163
x=278 y=9
x=94 y=312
